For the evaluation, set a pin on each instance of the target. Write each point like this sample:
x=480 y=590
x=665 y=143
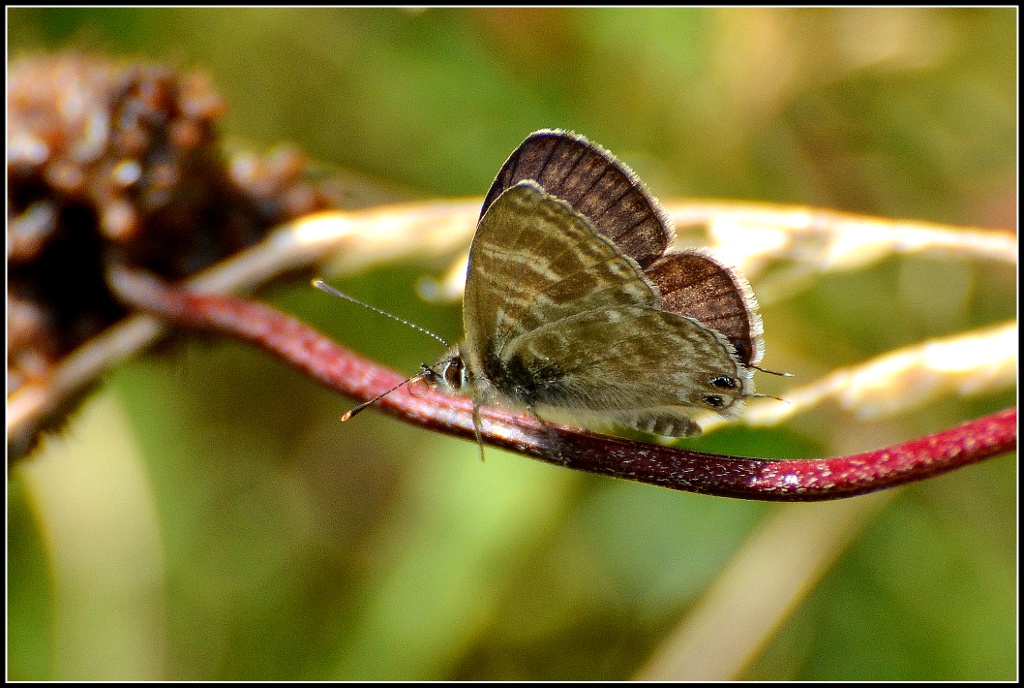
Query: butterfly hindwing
x=697 y=285
x=642 y=367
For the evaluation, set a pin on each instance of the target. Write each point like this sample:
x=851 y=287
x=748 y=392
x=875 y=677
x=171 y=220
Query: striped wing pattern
x=557 y=316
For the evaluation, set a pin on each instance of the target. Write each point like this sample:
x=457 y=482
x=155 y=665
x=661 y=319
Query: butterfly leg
x=553 y=442
x=477 y=421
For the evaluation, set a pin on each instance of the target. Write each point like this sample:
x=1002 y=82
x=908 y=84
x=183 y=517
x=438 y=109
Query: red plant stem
x=773 y=480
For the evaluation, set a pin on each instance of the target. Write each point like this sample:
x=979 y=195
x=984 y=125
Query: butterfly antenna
x=323 y=286
x=351 y=412
x=771 y=372
x=769 y=396
x=761 y=396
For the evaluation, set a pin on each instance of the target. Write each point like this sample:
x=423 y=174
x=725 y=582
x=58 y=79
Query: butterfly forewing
x=534 y=262
x=596 y=185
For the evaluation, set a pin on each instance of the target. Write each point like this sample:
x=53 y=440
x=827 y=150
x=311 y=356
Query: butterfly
x=574 y=306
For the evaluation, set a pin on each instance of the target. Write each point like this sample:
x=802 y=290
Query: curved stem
x=749 y=478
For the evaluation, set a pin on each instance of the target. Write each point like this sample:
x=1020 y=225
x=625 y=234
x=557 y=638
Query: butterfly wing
x=609 y=194
x=696 y=285
x=641 y=367
x=596 y=184
x=557 y=317
x=535 y=261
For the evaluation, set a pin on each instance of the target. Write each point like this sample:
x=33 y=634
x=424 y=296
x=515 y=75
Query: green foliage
x=293 y=547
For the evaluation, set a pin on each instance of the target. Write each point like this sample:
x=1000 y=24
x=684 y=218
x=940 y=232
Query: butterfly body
x=573 y=307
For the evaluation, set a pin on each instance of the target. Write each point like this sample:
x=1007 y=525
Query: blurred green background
x=205 y=516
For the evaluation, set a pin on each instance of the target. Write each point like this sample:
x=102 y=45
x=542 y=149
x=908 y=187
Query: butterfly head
x=449 y=374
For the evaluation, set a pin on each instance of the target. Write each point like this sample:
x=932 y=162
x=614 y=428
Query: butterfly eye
x=723 y=382
x=454 y=373
x=714 y=400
